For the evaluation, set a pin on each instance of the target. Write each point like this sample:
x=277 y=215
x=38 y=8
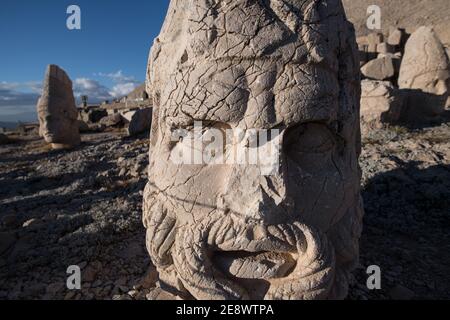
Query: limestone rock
x=396 y=37
x=112 y=111
x=112 y=120
x=255 y=65
x=396 y=60
x=384 y=48
x=381 y=104
x=379 y=69
x=138 y=121
x=363 y=40
x=160 y=294
x=425 y=71
x=93 y=115
x=138 y=94
x=57 y=112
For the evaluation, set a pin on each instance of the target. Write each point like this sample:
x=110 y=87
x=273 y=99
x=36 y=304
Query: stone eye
x=309 y=138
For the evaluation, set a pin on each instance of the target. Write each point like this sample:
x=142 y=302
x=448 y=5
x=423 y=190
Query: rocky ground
x=406 y=190
x=83 y=207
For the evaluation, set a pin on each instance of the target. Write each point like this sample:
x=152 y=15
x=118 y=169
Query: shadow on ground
x=406 y=231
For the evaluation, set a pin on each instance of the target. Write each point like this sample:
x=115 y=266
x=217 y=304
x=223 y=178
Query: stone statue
x=226 y=231
x=425 y=72
x=57 y=112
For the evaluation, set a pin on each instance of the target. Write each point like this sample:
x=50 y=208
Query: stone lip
x=302 y=258
x=264 y=265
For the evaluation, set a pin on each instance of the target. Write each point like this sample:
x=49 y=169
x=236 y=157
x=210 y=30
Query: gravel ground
x=406 y=190
x=83 y=207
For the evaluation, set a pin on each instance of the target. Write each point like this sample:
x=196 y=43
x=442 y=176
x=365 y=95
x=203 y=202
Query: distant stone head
x=57 y=112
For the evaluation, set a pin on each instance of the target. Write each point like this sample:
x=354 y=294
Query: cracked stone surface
x=425 y=71
x=381 y=104
x=57 y=112
x=226 y=231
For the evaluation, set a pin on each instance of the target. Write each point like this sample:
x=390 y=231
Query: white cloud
x=95 y=91
x=18 y=99
x=123 y=84
x=15 y=104
x=123 y=89
x=8 y=85
x=10 y=96
x=34 y=86
x=117 y=77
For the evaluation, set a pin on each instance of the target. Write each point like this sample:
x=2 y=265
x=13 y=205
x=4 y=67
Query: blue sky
x=105 y=59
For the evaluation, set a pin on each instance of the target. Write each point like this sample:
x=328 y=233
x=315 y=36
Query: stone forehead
x=279 y=7
x=255 y=99
x=251 y=28
x=290 y=48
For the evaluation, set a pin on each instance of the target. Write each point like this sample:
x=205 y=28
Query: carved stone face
x=226 y=231
x=56 y=110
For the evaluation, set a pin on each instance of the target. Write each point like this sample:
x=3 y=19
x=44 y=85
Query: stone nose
x=254 y=197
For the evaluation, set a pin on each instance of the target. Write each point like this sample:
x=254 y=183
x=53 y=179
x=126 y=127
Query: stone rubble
x=418 y=70
x=381 y=104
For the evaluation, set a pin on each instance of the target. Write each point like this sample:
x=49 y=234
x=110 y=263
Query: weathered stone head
x=425 y=72
x=57 y=112
x=225 y=231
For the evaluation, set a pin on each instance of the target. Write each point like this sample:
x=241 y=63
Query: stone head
x=226 y=231
x=56 y=109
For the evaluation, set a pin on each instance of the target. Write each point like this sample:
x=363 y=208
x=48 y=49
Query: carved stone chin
x=225 y=230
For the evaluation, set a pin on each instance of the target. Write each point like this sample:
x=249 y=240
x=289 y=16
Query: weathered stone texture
x=226 y=231
x=381 y=104
x=57 y=112
x=138 y=121
x=425 y=71
x=379 y=69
